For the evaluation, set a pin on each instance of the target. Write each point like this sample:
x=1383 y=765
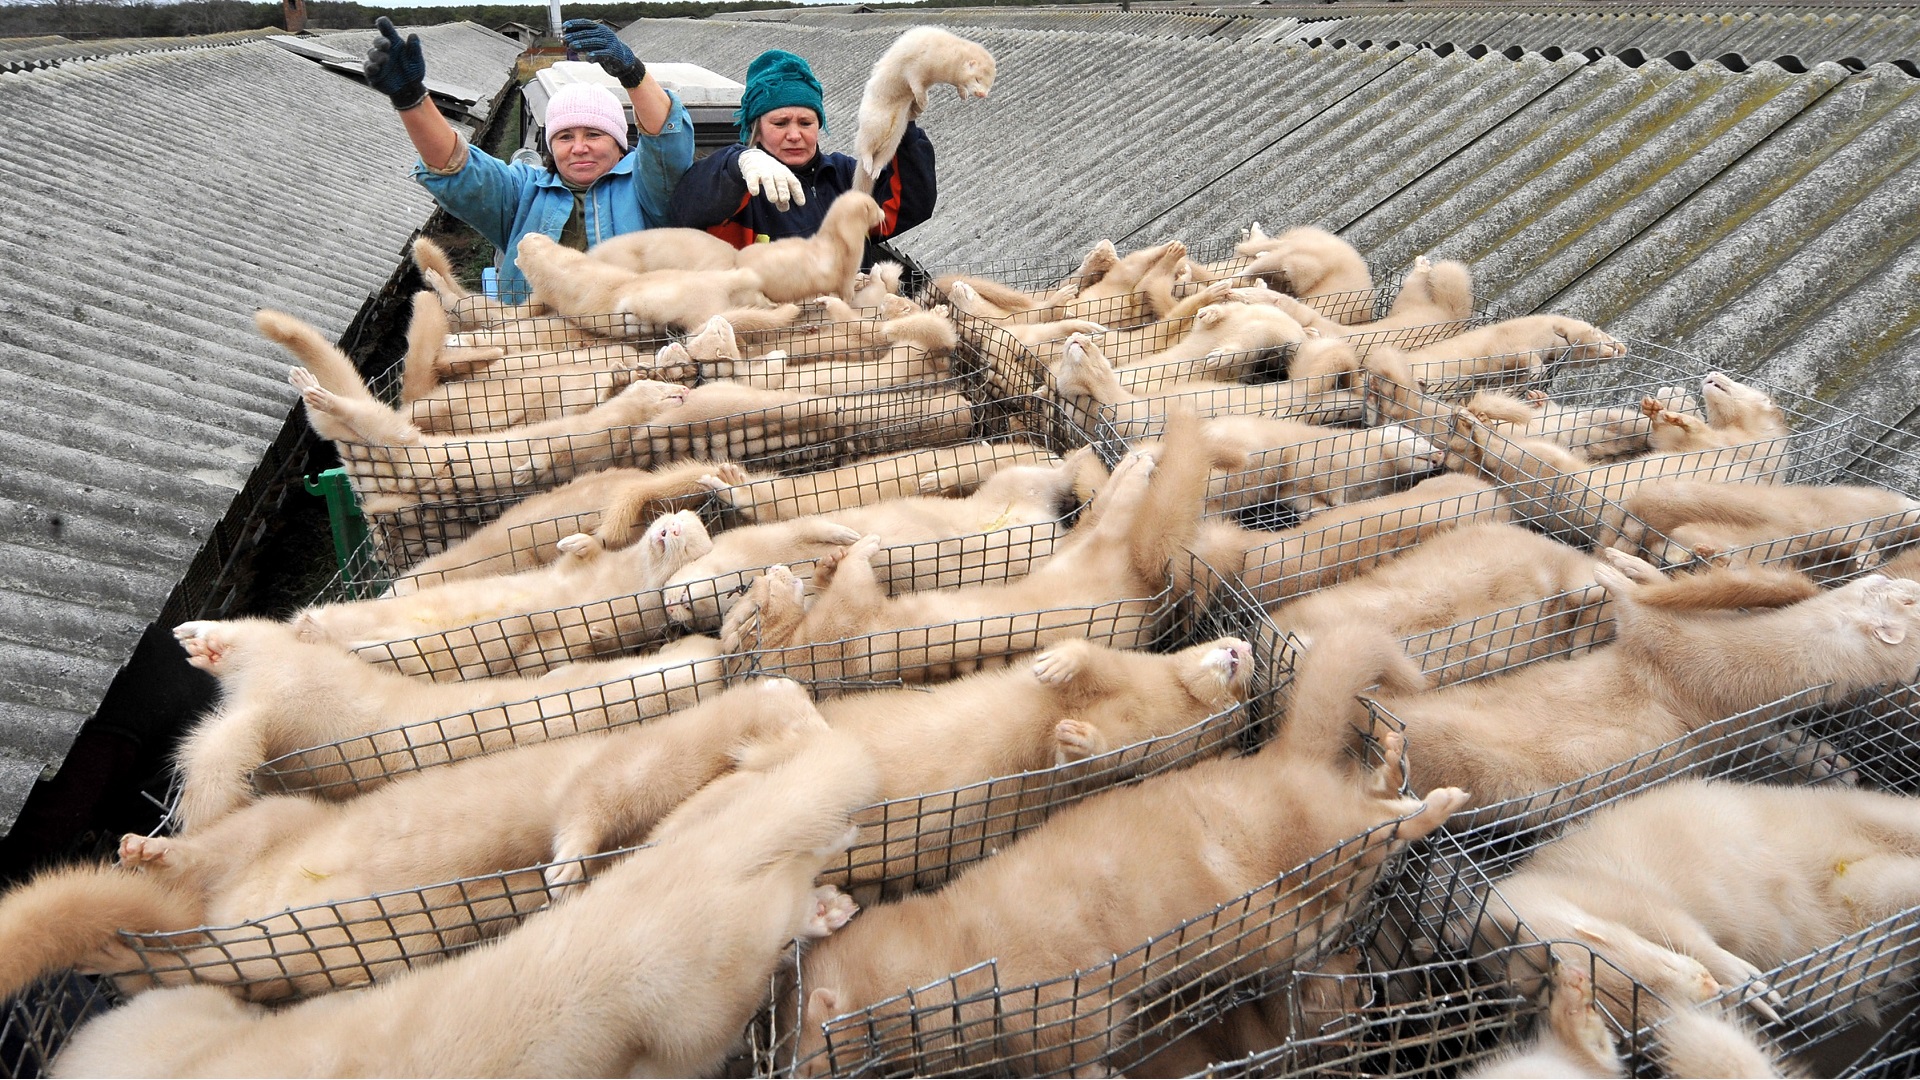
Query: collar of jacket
x=551 y=179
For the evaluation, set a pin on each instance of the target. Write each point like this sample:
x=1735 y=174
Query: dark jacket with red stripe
x=712 y=196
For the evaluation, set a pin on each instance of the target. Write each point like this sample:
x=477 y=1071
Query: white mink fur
x=1011 y=520
x=1087 y=384
x=1309 y=468
x=1695 y=888
x=665 y=249
x=280 y=694
x=800 y=268
x=1105 y=577
x=946 y=470
x=653 y=969
x=584 y=573
x=555 y=802
x=588 y=290
x=613 y=505
x=896 y=92
x=1116 y=870
x=1076 y=701
x=1678 y=660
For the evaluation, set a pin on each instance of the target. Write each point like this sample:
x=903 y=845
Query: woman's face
x=583 y=154
x=790 y=134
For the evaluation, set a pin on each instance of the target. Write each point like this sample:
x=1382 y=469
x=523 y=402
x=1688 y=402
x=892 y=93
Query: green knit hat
x=775 y=80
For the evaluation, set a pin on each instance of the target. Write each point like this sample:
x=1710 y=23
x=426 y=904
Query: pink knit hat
x=586 y=105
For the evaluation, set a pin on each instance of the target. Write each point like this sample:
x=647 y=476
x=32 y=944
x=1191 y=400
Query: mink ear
x=1890 y=632
x=822 y=1005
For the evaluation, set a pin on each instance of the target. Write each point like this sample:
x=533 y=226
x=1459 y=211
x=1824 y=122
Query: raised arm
x=600 y=45
x=398 y=69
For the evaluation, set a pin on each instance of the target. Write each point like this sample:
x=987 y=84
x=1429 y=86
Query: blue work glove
x=597 y=43
x=396 y=68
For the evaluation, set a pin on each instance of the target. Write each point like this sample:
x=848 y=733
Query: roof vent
x=1791 y=63
x=1445 y=48
x=1681 y=59
x=1551 y=53
x=1631 y=57
x=1476 y=51
x=1513 y=52
x=1853 y=63
x=1732 y=61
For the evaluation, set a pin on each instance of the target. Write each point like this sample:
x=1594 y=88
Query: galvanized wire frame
x=498 y=324
x=941 y=651
x=348 y=766
x=1836 y=550
x=917 y=842
x=350 y=942
x=1121 y=1013
x=1585 y=504
x=40 y=1019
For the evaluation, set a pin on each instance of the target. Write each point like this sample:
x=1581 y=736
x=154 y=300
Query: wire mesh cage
x=1862 y=516
x=939 y=651
x=917 y=842
x=352 y=941
x=41 y=1018
x=1114 y=1014
x=1610 y=407
x=351 y=765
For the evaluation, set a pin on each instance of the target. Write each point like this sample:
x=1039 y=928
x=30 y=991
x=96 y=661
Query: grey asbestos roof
x=1763 y=220
x=20 y=54
x=140 y=398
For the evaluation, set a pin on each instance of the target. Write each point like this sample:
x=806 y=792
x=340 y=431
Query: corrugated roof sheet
x=1761 y=220
x=140 y=398
x=20 y=54
x=1812 y=34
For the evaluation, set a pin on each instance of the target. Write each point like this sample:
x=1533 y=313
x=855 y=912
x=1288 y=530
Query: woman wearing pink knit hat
x=600 y=179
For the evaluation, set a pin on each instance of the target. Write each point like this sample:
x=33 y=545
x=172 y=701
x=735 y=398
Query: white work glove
x=766 y=176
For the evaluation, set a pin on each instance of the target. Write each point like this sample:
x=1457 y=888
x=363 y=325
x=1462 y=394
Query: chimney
x=296 y=13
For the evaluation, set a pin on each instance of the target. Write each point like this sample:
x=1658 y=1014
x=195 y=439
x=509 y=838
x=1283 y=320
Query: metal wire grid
x=1332 y=547
x=484 y=319
x=1441 y=1018
x=941 y=651
x=348 y=766
x=486 y=475
x=1121 y=1013
x=404 y=534
x=353 y=941
x=1834 y=550
x=1583 y=506
x=830 y=358
x=917 y=842
x=41 y=1018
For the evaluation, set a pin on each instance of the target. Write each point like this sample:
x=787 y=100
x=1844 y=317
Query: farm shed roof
x=140 y=398
x=1761 y=219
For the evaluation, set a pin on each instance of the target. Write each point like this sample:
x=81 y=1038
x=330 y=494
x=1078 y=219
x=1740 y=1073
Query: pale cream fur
x=280 y=695
x=612 y=504
x=1074 y=702
x=947 y=470
x=896 y=91
x=1833 y=530
x=801 y=268
x=1347 y=540
x=1669 y=670
x=1459 y=577
x=1115 y=871
x=653 y=969
x=467 y=310
x=1309 y=262
x=1309 y=468
x=1086 y=382
x=589 y=290
x=590 y=573
x=1529 y=343
x=1728 y=881
x=1601 y=433
x=654 y=249
x=407 y=462
x=997 y=533
x=557 y=802
x=1102 y=578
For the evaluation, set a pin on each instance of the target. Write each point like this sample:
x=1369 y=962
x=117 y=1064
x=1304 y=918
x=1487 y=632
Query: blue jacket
x=712 y=195
x=507 y=201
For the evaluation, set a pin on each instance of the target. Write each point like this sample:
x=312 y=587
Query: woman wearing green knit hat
x=777 y=183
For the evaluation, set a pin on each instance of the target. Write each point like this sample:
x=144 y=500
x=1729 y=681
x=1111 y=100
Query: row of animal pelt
x=1675 y=656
